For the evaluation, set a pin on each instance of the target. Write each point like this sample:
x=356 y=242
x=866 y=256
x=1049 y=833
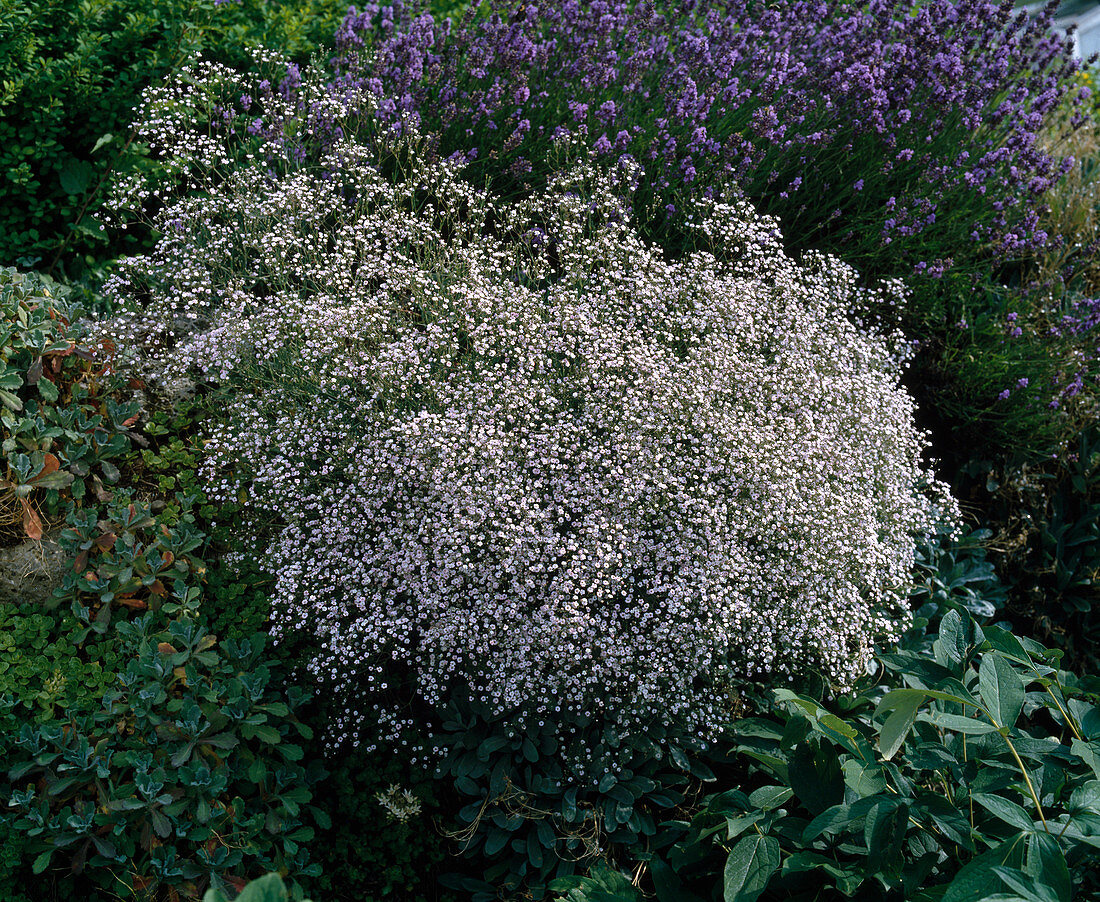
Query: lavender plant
x=516 y=452
x=903 y=134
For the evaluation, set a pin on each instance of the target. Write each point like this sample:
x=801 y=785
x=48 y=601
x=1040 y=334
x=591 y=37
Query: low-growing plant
x=43 y=672
x=388 y=822
x=63 y=433
x=269 y=888
x=123 y=556
x=187 y=774
x=952 y=572
x=153 y=758
x=1047 y=543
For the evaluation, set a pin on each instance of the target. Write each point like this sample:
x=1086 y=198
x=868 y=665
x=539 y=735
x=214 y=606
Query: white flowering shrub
x=514 y=452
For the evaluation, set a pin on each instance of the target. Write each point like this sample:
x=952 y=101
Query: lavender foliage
x=900 y=133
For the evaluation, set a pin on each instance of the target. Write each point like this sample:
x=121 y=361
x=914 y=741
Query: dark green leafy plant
x=601 y=884
x=969 y=773
x=42 y=673
x=187 y=775
x=531 y=820
x=364 y=853
x=953 y=573
x=63 y=434
x=123 y=556
x=1047 y=544
x=269 y=888
x=235 y=603
x=376 y=851
x=71 y=73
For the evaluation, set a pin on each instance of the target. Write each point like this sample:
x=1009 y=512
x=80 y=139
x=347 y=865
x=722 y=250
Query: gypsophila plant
x=513 y=447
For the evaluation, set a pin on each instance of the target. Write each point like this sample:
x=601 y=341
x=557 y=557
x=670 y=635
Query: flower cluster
x=866 y=124
x=518 y=452
x=400 y=804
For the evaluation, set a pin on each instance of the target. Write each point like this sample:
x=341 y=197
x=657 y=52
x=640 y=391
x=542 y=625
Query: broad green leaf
x=949 y=820
x=75 y=177
x=59 y=479
x=1028 y=886
x=958 y=723
x=977 y=880
x=769 y=797
x=534 y=849
x=1089 y=752
x=1001 y=689
x=267 y=734
x=847 y=879
x=1005 y=642
x=834 y=723
x=958 y=636
x=1047 y=864
x=1086 y=797
x=814 y=774
x=269 y=888
x=898 y=724
x=497 y=840
x=883 y=830
x=749 y=867
x=863 y=779
x=10 y=401
x=828 y=821
x=1090 y=722
x=1005 y=810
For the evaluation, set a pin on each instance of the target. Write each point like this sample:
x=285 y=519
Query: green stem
x=1027 y=779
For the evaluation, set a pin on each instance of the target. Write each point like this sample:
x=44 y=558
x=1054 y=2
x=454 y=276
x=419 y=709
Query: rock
x=31 y=571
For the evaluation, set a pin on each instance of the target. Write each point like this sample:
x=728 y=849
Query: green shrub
x=1047 y=546
x=42 y=673
x=71 y=73
x=63 y=435
x=125 y=557
x=950 y=776
x=953 y=573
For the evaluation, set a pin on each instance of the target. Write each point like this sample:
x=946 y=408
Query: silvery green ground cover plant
x=518 y=451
